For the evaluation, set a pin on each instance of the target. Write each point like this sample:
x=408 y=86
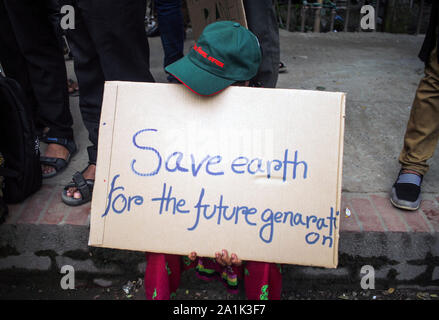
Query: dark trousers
x=171 y=25
x=30 y=53
x=13 y=61
x=108 y=43
x=261 y=20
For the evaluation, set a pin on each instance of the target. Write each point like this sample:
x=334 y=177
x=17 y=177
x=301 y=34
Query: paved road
x=40 y=288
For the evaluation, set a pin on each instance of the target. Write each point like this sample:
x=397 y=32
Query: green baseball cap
x=225 y=53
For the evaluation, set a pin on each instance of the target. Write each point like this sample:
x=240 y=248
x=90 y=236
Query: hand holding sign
x=222 y=258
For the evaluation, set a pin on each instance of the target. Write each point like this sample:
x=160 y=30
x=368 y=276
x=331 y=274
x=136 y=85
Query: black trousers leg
x=118 y=32
x=13 y=61
x=261 y=20
x=108 y=43
x=90 y=77
x=39 y=45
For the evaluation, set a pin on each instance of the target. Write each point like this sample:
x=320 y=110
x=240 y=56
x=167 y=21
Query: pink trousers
x=262 y=281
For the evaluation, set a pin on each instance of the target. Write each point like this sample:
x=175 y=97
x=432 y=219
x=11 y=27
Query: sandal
x=58 y=164
x=84 y=186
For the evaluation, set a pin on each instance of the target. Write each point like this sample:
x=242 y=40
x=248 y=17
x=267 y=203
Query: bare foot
x=54 y=151
x=89 y=173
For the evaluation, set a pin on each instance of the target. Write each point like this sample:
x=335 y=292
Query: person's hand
x=224 y=259
x=192 y=256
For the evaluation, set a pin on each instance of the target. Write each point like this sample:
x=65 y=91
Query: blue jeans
x=171 y=25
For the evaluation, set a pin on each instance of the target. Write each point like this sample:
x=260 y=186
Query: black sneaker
x=406 y=191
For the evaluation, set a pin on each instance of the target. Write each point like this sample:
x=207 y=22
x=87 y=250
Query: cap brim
x=196 y=79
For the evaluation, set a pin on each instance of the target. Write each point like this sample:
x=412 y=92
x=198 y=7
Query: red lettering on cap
x=204 y=54
x=200 y=51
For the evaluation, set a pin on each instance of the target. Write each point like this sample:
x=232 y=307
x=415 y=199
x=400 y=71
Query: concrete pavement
x=379 y=72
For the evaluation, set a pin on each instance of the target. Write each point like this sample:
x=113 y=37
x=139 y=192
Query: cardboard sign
x=255 y=171
x=204 y=12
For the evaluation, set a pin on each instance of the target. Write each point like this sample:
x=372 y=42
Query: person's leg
x=262 y=280
x=162 y=275
x=108 y=43
x=420 y=139
x=38 y=43
x=87 y=65
x=422 y=131
x=261 y=20
x=118 y=32
x=171 y=24
x=91 y=78
x=14 y=63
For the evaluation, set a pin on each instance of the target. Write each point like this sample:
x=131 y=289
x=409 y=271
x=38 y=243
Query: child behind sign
x=226 y=54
